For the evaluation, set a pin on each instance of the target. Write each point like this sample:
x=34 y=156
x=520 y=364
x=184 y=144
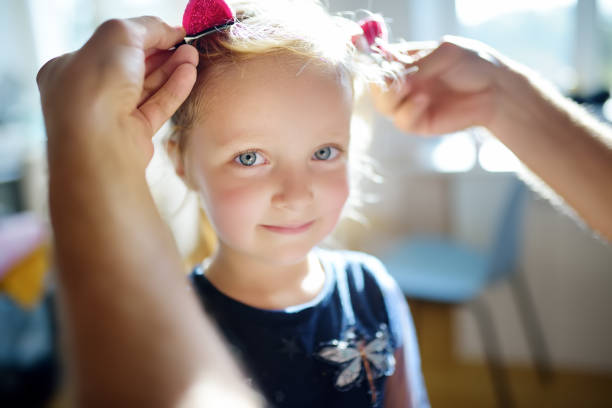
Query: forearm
x=135 y=334
x=561 y=143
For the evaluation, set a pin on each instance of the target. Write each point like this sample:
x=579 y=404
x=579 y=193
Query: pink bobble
x=374 y=27
x=201 y=15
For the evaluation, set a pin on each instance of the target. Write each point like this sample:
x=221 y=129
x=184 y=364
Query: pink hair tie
x=373 y=40
x=202 y=17
x=372 y=28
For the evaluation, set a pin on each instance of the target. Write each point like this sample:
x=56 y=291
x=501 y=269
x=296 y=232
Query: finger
x=453 y=113
x=414 y=47
x=411 y=113
x=185 y=54
x=146 y=33
x=152 y=51
x=163 y=103
x=438 y=61
x=387 y=97
x=152 y=32
x=409 y=52
x=156 y=60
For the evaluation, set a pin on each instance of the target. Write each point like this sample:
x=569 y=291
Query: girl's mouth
x=290 y=229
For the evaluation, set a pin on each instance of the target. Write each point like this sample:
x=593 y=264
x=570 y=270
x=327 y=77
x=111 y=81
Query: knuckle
x=153 y=19
x=449 y=47
x=43 y=72
x=150 y=21
x=114 y=27
x=457 y=49
x=53 y=69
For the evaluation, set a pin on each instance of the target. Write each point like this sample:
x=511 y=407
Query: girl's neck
x=265 y=285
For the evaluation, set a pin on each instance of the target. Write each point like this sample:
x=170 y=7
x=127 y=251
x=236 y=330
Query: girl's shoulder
x=359 y=266
x=371 y=287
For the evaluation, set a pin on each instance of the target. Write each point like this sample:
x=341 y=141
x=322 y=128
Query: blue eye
x=326 y=153
x=248 y=159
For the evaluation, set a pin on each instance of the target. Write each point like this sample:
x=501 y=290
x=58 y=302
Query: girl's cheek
x=335 y=190
x=331 y=198
x=235 y=209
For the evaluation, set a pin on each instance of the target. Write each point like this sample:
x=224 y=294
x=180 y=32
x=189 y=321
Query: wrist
x=512 y=100
x=84 y=152
x=524 y=104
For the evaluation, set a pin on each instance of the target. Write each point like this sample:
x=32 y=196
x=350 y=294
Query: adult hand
x=454 y=88
x=118 y=264
x=118 y=89
x=461 y=83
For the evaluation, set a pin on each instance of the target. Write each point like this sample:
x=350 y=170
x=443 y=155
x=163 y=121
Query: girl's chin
x=286 y=256
x=278 y=255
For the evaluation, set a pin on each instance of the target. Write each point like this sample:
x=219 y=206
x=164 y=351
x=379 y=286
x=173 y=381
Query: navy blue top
x=334 y=351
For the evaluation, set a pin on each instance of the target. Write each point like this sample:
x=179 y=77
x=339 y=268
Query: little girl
x=264 y=140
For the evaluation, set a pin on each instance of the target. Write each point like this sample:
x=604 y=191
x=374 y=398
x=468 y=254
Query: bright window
x=537 y=33
x=569 y=42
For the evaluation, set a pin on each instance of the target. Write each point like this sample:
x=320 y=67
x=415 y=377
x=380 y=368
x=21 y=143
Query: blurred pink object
x=373 y=40
x=20 y=234
x=373 y=35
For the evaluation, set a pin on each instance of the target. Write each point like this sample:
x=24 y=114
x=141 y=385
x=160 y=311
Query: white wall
x=569 y=272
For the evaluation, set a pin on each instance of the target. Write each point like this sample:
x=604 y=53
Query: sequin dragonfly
x=375 y=357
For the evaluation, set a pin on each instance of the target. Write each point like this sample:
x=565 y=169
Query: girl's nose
x=294 y=191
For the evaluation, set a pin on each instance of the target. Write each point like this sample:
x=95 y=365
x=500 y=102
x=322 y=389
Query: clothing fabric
x=336 y=350
x=29 y=361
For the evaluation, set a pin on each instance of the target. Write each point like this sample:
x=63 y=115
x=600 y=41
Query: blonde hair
x=297 y=28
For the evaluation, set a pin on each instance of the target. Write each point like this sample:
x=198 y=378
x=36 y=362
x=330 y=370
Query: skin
x=263 y=107
x=121 y=286
x=462 y=83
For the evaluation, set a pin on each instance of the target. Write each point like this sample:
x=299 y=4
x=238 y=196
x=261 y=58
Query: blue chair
x=441 y=270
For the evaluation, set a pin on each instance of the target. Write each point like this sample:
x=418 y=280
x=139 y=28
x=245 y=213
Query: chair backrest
x=505 y=249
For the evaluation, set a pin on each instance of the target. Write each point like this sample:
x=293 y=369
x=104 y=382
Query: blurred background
x=532 y=325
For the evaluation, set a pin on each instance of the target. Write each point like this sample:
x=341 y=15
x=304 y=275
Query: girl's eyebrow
x=238 y=141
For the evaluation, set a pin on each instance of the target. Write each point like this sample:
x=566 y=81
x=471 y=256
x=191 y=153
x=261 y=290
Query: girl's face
x=269 y=156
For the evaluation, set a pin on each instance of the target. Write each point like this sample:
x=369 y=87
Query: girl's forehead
x=275 y=93
x=274 y=70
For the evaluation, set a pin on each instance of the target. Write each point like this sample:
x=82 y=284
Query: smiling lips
x=289 y=229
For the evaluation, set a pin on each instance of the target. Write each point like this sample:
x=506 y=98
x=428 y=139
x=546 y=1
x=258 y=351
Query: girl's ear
x=172 y=148
x=174 y=153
